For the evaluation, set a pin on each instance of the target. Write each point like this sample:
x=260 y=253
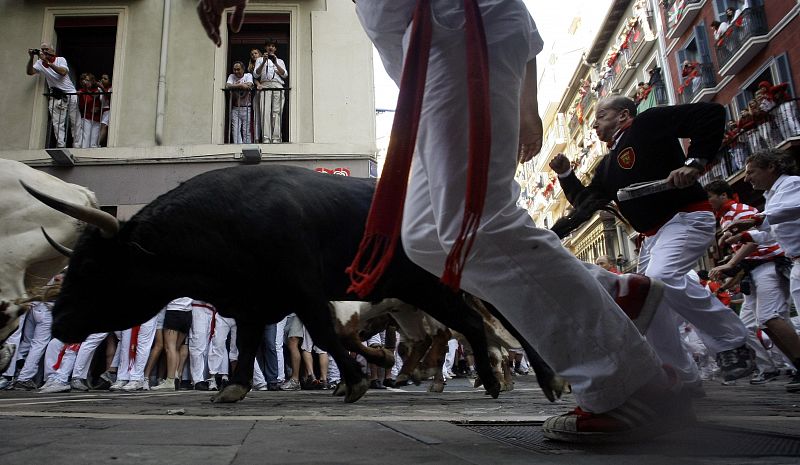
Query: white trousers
x=133 y=370
x=199 y=338
x=525 y=272
x=55 y=350
x=62 y=110
x=452 y=347
x=769 y=294
x=88 y=134
x=280 y=336
x=22 y=347
x=273 y=111
x=37 y=331
x=794 y=283
x=241 y=118
x=218 y=357
x=85 y=354
x=669 y=256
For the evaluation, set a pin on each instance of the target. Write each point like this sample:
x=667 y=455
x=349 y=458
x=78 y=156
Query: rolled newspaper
x=641 y=189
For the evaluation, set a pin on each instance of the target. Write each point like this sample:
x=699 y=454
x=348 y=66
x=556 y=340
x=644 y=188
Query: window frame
x=39 y=117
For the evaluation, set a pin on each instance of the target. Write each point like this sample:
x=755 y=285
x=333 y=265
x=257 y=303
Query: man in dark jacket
x=673 y=216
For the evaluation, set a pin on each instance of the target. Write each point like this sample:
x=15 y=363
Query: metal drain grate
x=697 y=441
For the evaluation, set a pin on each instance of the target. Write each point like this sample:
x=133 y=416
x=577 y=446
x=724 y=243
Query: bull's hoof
x=230 y=394
x=356 y=391
x=402 y=380
x=6 y=355
x=507 y=387
x=493 y=390
x=554 y=387
x=341 y=389
x=436 y=387
x=478 y=383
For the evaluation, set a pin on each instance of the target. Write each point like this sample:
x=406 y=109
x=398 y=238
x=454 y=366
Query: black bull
x=259 y=243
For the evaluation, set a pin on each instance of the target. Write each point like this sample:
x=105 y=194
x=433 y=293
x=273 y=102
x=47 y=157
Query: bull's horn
x=109 y=226
x=63 y=250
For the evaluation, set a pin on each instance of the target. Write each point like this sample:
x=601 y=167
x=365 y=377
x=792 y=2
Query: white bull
x=26 y=259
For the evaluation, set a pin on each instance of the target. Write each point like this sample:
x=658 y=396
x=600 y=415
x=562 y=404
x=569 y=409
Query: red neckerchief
x=48 y=60
x=613 y=144
x=382 y=231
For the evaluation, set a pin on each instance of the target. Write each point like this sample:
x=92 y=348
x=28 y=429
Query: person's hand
x=723 y=239
x=739 y=226
x=720 y=272
x=560 y=164
x=272 y=58
x=531 y=132
x=683 y=177
x=738 y=238
x=210 y=14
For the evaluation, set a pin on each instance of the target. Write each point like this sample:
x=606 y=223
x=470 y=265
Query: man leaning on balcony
x=677 y=223
x=63 y=100
x=240 y=84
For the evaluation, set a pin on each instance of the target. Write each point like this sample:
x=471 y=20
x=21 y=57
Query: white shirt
x=386 y=23
x=242 y=97
x=270 y=72
x=53 y=78
x=181 y=304
x=782 y=215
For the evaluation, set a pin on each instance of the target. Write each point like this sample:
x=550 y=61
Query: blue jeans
x=270 y=354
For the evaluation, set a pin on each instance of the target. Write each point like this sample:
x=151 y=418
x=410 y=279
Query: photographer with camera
x=271 y=73
x=63 y=100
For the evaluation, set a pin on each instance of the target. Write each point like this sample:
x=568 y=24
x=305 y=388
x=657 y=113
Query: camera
x=271 y=58
x=34 y=51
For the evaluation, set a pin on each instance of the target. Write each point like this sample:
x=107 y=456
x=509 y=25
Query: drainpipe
x=162 y=74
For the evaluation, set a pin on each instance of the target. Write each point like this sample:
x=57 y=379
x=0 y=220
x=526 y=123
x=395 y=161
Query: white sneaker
x=118 y=385
x=212 y=384
x=146 y=385
x=131 y=386
x=164 y=385
x=54 y=386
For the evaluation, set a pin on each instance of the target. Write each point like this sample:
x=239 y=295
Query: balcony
x=554 y=142
x=656 y=96
x=698 y=86
x=680 y=16
x=77 y=119
x=742 y=41
x=257 y=115
x=573 y=124
x=639 y=43
x=627 y=68
x=780 y=129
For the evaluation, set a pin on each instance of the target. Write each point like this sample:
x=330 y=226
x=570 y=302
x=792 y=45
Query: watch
x=699 y=163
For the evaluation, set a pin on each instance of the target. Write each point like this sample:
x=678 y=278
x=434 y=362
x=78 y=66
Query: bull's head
x=91 y=297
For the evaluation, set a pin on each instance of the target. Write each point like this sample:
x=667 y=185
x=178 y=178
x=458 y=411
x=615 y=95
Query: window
x=256 y=30
x=775 y=71
x=88 y=44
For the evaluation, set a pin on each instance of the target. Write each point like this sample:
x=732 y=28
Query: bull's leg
x=248 y=338
x=552 y=385
x=319 y=323
x=418 y=350
x=434 y=359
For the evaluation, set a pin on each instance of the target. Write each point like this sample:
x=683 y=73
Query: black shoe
x=764 y=377
x=736 y=363
x=186 y=385
x=389 y=383
x=376 y=384
x=201 y=386
x=177 y=384
x=273 y=386
x=794 y=384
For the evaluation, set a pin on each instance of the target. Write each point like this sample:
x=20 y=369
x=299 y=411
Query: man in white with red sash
x=485 y=244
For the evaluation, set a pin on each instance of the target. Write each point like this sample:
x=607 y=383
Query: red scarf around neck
x=385 y=218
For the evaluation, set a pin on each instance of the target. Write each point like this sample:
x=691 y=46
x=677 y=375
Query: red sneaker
x=641 y=299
